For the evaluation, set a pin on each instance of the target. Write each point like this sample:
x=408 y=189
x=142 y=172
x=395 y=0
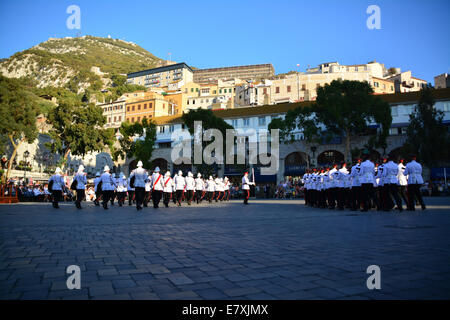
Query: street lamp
x=313 y=150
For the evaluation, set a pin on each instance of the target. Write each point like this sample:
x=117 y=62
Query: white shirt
x=355 y=175
x=211 y=186
x=414 y=172
x=342 y=178
x=180 y=182
x=108 y=183
x=157 y=181
x=121 y=185
x=198 y=184
x=366 y=172
x=168 y=181
x=402 y=179
x=246 y=183
x=58 y=182
x=141 y=177
x=190 y=183
x=96 y=181
x=391 y=173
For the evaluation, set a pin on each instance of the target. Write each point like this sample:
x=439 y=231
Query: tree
x=137 y=141
x=342 y=108
x=77 y=129
x=427 y=136
x=209 y=121
x=18 y=109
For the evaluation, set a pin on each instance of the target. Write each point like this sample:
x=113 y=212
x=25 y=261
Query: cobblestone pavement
x=271 y=249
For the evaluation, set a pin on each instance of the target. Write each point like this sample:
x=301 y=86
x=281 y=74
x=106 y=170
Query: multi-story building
x=114 y=112
x=150 y=106
x=405 y=82
x=442 y=81
x=295 y=157
x=382 y=86
x=248 y=72
x=162 y=76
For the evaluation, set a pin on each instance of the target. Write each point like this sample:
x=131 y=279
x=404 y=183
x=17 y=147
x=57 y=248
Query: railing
x=8 y=194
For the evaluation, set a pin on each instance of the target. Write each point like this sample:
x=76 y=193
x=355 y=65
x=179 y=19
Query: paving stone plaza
x=271 y=249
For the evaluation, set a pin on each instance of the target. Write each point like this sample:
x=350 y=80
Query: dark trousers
x=247 y=195
x=198 y=196
x=189 y=196
x=227 y=195
x=113 y=196
x=341 y=198
x=166 y=198
x=306 y=193
x=121 y=198
x=147 y=197
x=80 y=197
x=156 y=196
x=402 y=191
x=355 y=198
x=56 y=195
x=98 y=195
x=366 y=195
x=392 y=189
x=179 y=196
x=413 y=194
x=210 y=195
x=139 y=193
x=130 y=197
x=107 y=194
x=332 y=197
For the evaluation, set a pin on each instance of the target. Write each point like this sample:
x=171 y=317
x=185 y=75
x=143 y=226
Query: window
x=193 y=101
x=215 y=91
x=288 y=88
x=265 y=91
x=196 y=89
x=132 y=119
x=220 y=90
x=277 y=90
x=234 y=122
x=161 y=129
x=150 y=105
x=262 y=121
x=303 y=87
x=139 y=107
x=246 y=122
x=164 y=105
x=115 y=119
x=145 y=106
x=132 y=108
x=188 y=101
x=120 y=118
x=171 y=128
x=446 y=107
x=375 y=84
x=109 y=119
x=192 y=89
x=138 y=119
x=317 y=85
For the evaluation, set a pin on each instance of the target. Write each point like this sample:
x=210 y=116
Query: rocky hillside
x=78 y=63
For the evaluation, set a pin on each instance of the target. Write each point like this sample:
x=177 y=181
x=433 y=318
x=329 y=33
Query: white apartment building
x=162 y=76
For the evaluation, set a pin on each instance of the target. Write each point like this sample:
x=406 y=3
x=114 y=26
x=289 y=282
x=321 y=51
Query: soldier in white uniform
x=140 y=177
x=98 y=191
x=57 y=183
x=108 y=186
x=334 y=175
x=355 y=186
x=403 y=181
x=148 y=192
x=414 y=172
x=219 y=189
x=210 y=189
x=305 y=181
x=157 y=183
x=121 y=189
x=341 y=185
x=130 y=191
x=198 y=188
x=168 y=183
x=180 y=184
x=246 y=187
x=391 y=183
x=81 y=180
x=366 y=177
x=226 y=188
x=190 y=187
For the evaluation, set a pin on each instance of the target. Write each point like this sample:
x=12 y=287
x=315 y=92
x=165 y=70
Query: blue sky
x=414 y=34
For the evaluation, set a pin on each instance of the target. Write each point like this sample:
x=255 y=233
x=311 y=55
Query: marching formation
x=142 y=187
x=366 y=185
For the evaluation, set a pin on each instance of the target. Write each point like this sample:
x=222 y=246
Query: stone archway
x=161 y=163
x=330 y=157
x=295 y=164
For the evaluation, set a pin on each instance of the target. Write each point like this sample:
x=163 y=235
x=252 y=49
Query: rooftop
x=158 y=70
x=396 y=98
